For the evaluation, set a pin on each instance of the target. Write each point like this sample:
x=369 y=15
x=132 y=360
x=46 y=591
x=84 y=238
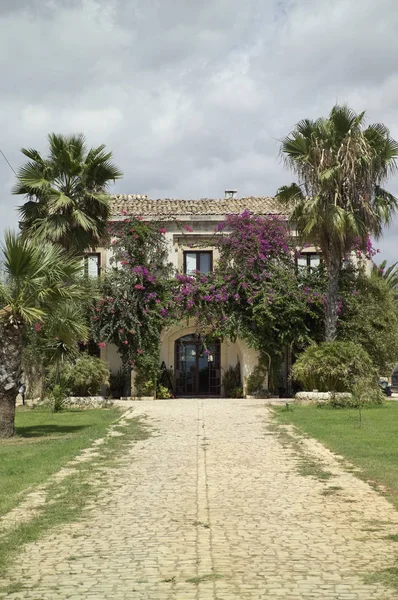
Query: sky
x=192 y=96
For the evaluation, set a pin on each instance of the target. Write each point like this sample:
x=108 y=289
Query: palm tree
x=67 y=200
x=389 y=274
x=35 y=280
x=339 y=200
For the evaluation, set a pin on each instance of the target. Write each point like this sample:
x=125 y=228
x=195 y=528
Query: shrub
x=255 y=381
x=334 y=367
x=163 y=392
x=85 y=377
x=57 y=398
x=236 y=392
x=232 y=382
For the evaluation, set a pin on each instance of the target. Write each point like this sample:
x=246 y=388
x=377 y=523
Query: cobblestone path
x=212 y=507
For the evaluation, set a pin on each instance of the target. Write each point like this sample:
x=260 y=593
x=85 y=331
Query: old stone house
x=195 y=373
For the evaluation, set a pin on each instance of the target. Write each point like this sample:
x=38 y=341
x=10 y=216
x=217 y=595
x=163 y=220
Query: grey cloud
x=191 y=96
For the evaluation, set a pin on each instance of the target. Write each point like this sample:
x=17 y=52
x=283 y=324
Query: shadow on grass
x=45 y=430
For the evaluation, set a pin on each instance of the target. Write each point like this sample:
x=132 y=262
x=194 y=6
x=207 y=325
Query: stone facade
x=201 y=216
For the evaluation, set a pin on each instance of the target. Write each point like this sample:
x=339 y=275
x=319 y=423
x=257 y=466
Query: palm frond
x=340 y=166
x=67 y=202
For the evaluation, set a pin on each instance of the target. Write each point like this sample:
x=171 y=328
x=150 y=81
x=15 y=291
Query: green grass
x=372 y=448
x=44 y=442
x=66 y=499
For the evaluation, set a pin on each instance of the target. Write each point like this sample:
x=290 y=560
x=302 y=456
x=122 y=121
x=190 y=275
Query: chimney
x=230 y=193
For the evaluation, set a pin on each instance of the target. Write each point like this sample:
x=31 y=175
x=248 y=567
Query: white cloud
x=191 y=96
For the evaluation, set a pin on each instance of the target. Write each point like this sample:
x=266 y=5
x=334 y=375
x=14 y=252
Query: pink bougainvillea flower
x=101 y=344
x=188 y=228
x=139 y=351
x=121 y=330
x=125 y=342
x=162 y=230
x=37 y=327
x=139 y=218
x=139 y=286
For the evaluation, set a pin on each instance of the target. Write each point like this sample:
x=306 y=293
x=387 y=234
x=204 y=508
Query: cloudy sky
x=191 y=95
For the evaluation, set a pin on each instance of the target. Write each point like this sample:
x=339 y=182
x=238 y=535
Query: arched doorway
x=197 y=368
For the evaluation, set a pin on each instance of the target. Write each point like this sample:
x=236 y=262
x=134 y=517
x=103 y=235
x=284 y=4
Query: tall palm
x=389 y=274
x=35 y=279
x=339 y=200
x=67 y=200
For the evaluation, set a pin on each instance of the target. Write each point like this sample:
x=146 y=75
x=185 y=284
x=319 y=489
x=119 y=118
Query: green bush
x=334 y=367
x=236 y=392
x=85 y=377
x=162 y=392
x=232 y=382
x=371 y=398
x=255 y=381
x=57 y=398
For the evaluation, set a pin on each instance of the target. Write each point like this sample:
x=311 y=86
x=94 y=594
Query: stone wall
x=88 y=402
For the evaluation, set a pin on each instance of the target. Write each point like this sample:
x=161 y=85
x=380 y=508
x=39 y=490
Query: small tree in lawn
x=131 y=311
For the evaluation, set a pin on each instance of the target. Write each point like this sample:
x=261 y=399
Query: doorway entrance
x=197 y=368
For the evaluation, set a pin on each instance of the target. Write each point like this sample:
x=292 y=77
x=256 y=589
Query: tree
x=339 y=200
x=389 y=274
x=369 y=317
x=67 y=199
x=35 y=280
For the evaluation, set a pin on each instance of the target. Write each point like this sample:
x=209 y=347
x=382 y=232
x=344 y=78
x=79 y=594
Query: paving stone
x=212 y=507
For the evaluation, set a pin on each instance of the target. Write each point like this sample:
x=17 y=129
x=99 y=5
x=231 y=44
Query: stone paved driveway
x=212 y=507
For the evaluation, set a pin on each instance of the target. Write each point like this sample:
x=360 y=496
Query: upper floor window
x=92 y=264
x=309 y=261
x=198 y=261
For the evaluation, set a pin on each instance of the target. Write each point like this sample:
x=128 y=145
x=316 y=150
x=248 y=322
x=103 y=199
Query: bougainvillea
x=255 y=291
x=130 y=311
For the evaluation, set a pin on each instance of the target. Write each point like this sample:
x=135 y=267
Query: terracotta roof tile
x=170 y=208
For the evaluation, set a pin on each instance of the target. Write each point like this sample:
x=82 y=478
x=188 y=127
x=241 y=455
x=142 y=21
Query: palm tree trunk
x=331 y=314
x=10 y=372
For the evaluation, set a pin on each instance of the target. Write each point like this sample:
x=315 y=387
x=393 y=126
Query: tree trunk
x=331 y=314
x=10 y=373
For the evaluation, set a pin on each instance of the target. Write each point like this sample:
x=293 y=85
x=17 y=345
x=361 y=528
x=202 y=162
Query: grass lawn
x=44 y=442
x=372 y=447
